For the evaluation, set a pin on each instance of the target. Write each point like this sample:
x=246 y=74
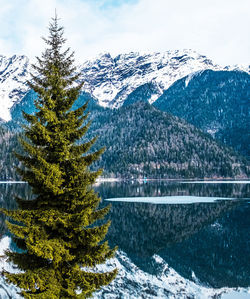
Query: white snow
x=6 y=291
x=212 y=131
x=14 y=73
x=243 y=294
x=169 y=199
x=126 y=72
x=5 y=104
x=12 y=182
x=111 y=79
x=4 y=244
x=108 y=76
x=217 y=182
x=133 y=283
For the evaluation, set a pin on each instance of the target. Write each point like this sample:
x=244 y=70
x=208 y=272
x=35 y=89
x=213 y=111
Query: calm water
x=210 y=239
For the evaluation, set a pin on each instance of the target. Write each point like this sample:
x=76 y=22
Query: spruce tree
x=59 y=240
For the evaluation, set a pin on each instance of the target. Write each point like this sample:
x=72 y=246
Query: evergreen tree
x=57 y=232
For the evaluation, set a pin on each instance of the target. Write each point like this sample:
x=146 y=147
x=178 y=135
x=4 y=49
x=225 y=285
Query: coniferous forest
x=140 y=141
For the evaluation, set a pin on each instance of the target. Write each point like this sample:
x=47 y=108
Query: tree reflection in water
x=209 y=239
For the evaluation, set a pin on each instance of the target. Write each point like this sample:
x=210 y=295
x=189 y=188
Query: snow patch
x=242 y=294
x=217 y=182
x=212 y=131
x=169 y=199
x=14 y=73
x=6 y=291
x=133 y=283
x=12 y=182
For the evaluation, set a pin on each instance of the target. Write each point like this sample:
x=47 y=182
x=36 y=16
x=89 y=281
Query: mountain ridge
x=110 y=79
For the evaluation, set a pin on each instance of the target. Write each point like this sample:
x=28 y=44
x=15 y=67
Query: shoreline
x=187 y=181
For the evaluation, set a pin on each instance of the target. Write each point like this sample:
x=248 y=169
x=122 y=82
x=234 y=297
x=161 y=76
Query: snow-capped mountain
x=14 y=72
x=111 y=79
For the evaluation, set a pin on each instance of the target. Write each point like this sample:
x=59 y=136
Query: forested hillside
x=142 y=141
x=216 y=102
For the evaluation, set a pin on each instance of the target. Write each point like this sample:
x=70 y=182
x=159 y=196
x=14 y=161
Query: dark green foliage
x=27 y=105
x=143 y=141
x=141 y=93
x=56 y=232
x=8 y=162
x=214 y=101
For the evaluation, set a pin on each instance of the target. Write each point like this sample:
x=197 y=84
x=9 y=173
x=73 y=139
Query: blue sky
x=107 y=4
x=216 y=28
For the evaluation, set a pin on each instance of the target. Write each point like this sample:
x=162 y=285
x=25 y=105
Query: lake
x=176 y=239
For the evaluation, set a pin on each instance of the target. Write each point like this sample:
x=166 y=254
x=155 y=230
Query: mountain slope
x=143 y=141
x=215 y=101
x=13 y=77
x=109 y=79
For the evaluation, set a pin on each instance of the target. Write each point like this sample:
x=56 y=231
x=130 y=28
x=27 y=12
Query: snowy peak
x=13 y=77
x=112 y=79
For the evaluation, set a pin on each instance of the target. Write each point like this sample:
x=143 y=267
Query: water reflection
x=219 y=254
x=144 y=229
x=166 y=188
x=209 y=239
x=8 y=192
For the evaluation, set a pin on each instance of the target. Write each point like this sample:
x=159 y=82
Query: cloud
x=218 y=29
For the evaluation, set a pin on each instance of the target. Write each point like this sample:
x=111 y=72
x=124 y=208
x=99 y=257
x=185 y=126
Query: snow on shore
x=133 y=283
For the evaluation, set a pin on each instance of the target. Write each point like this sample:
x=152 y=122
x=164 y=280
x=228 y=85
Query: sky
x=218 y=29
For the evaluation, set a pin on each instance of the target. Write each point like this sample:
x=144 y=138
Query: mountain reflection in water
x=208 y=239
